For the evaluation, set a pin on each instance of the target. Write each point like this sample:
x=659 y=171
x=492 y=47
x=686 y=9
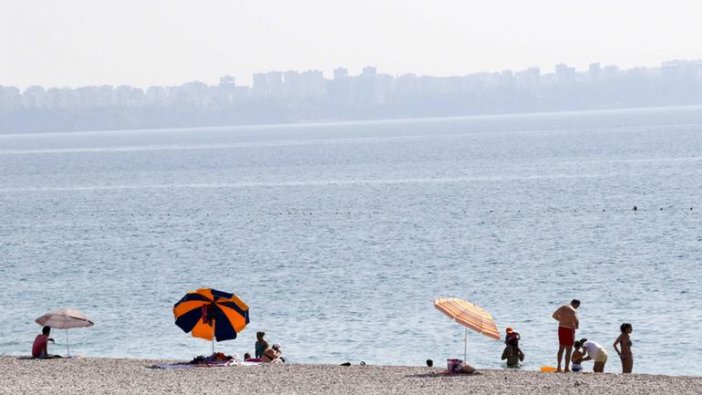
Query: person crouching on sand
x=624 y=340
x=41 y=342
x=593 y=351
x=567 y=318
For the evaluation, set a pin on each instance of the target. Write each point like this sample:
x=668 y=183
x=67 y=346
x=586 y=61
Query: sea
x=339 y=236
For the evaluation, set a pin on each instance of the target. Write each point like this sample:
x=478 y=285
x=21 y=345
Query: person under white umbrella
x=65 y=319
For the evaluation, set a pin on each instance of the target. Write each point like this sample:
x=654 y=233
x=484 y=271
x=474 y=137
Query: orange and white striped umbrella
x=469 y=315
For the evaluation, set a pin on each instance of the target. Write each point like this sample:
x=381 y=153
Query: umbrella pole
x=68 y=350
x=465 y=345
x=213 y=336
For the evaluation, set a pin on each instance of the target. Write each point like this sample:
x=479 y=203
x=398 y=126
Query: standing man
x=567 y=318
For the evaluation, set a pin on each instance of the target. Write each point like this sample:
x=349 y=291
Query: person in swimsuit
x=576 y=365
x=567 y=317
x=261 y=345
x=624 y=340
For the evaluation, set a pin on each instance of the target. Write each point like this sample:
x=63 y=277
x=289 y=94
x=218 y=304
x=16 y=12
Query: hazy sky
x=161 y=42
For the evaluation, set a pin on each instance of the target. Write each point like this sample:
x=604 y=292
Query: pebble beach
x=131 y=376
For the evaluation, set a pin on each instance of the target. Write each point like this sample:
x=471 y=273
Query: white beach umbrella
x=64 y=319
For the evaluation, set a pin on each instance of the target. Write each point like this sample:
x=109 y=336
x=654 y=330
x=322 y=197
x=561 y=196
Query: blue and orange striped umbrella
x=210 y=314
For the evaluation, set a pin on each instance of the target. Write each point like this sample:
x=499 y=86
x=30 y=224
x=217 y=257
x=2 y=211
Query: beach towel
x=188 y=365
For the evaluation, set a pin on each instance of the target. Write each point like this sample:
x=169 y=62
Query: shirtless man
x=272 y=354
x=40 y=346
x=567 y=318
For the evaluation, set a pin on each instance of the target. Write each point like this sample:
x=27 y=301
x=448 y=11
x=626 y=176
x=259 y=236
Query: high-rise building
x=564 y=74
x=268 y=84
x=369 y=72
x=594 y=72
x=313 y=82
x=340 y=73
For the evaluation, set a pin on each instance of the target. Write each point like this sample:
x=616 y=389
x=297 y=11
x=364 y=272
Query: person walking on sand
x=624 y=340
x=567 y=317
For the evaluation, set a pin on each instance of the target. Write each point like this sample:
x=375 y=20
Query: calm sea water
x=339 y=236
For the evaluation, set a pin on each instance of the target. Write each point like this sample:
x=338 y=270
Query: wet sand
x=130 y=376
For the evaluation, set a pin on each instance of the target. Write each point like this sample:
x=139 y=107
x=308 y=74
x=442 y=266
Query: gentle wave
x=334 y=140
x=428 y=180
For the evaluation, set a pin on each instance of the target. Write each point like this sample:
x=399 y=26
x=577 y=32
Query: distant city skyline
x=75 y=43
x=249 y=81
x=308 y=95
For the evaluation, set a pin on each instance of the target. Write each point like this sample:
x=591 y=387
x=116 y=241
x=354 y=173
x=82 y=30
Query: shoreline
x=127 y=376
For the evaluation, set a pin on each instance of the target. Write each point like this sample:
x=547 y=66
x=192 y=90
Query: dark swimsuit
x=629 y=355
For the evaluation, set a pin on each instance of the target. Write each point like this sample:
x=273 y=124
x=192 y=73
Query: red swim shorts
x=566 y=336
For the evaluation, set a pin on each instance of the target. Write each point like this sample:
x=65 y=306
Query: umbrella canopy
x=210 y=314
x=65 y=319
x=469 y=315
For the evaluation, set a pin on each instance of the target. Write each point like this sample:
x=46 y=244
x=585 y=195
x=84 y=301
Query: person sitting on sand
x=624 y=340
x=261 y=344
x=41 y=342
x=512 y=353
x=272 y=354
x=593 y=351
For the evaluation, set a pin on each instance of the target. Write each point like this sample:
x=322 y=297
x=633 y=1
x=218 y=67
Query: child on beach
x=624 y=340
x=577 y=359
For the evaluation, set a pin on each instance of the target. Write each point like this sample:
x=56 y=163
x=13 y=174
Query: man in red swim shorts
x=567 y=318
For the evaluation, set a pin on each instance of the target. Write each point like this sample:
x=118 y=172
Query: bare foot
x=566 y=371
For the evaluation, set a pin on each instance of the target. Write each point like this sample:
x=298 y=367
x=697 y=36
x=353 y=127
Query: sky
x=69 y=43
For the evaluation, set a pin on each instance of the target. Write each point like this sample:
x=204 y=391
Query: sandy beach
x=129 y=376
